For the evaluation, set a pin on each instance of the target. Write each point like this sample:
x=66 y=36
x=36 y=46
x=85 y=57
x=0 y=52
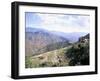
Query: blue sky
x=58 y=22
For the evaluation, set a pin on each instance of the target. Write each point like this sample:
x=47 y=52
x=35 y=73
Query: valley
x=47 y=49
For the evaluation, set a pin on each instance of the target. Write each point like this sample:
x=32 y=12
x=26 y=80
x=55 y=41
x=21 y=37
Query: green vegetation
x=61 y=54
x=78 y=54
x=28 y=62
x=54 y=58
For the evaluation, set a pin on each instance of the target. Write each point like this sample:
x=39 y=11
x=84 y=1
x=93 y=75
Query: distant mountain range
x=39 y=41
x=72 y=37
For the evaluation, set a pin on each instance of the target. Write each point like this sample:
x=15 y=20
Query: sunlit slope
x=48 y=59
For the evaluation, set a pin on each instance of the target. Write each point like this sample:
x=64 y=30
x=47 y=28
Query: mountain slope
x=84 y=38
x=53 y=58
x=71 y=36
x=38 y=41
x=71 y=55
x=79 y=52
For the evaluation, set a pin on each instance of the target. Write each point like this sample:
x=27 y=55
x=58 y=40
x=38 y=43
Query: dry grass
x=54 y=58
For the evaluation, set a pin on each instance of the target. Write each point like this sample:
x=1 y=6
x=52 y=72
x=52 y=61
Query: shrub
x=78 y=54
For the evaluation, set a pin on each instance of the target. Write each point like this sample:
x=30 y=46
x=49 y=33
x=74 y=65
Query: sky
x=58 y=22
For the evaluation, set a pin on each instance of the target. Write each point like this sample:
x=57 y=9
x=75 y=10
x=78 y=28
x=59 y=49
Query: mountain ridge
x=71 y=36
x=39 y=41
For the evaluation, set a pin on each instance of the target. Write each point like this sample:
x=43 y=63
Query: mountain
x=55 y=58
x=84 y=38
x=79 y=52
x=75 y=54
x=39 y=41
x=72 y=37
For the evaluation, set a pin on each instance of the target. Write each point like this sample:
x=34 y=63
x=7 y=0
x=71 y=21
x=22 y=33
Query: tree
x=78 y=54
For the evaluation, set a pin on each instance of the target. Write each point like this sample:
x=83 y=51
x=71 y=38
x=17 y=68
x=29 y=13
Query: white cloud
x=64 y=23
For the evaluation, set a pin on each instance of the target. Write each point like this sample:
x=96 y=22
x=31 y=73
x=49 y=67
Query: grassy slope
x=49 y=59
